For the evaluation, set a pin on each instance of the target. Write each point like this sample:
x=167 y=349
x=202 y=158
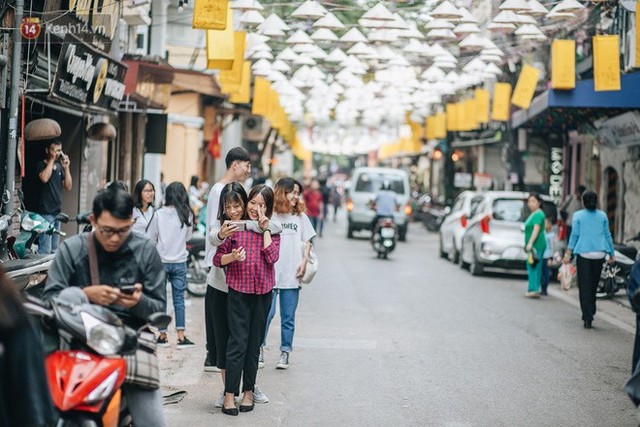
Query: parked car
x=455 y=224
x=494 y=237
x=365 y=183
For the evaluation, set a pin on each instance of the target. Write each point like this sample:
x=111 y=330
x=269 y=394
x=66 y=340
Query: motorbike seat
x=628 y=251
x=32 y=261
x=197 y=244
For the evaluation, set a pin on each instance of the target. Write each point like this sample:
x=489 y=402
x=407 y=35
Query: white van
x=365 y=183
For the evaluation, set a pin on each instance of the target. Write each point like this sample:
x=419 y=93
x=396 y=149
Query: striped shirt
x=256 y=274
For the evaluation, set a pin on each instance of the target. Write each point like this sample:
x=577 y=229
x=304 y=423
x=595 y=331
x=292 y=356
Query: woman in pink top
x=249 y=259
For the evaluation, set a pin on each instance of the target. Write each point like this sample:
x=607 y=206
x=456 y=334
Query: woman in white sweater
x=171 y=228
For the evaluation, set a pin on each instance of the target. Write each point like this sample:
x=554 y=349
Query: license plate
x=514 y=253
x=387 y=233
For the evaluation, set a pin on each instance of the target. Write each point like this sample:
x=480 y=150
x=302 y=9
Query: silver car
x=455 y=224
x=495 y=234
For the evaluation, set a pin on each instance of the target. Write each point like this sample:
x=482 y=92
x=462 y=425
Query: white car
x=455 y=224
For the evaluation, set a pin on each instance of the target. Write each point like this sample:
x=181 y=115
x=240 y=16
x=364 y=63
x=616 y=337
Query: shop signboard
x=87 y=77
x=482 y=181
x=555 y=176
x=462 y=180
x=622 y=130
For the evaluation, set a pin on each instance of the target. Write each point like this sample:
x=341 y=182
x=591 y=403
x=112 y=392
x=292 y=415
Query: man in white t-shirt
x=238 y=169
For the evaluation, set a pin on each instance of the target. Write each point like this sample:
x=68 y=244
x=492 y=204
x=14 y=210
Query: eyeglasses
x=148 y=191
x=108 y=232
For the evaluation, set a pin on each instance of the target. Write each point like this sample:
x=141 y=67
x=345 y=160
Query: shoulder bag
x=142 y=366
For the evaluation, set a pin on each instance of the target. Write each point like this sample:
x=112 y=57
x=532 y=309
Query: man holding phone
x=54 y=174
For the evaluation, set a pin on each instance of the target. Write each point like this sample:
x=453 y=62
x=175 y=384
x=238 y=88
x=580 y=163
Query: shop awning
x=148 y=83
x=568 y=108
x=196 y=81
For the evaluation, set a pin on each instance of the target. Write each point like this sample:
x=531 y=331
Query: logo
x=101 y=79
x=30 y=28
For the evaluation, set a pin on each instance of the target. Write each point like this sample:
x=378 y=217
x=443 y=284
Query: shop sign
x=555 y=177
x=87 y=77
x=482 y=181
x=621 y=130
x=462 y=180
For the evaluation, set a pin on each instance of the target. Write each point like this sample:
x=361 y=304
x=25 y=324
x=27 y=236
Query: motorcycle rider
x=385 y=204
x=123 y=258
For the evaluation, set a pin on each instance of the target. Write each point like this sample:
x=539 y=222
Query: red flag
x=214 y=145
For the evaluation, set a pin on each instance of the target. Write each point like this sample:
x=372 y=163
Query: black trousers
x=209 y=326
x=216 y=326
x=247 y=320
x=636 y=346
x=589 y=271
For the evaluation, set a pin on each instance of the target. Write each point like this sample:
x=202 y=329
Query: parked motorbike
x=32 y=225
x=383 y=238
x=196 y=270
x=434 y=216
x=87 y=368
x=615 y=277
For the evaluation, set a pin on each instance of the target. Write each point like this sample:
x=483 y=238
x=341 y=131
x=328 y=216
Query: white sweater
x=170 y=235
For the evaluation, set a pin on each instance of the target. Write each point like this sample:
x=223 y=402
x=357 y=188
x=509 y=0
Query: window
x=372 y=182
x=514 y=210
x=475 y=202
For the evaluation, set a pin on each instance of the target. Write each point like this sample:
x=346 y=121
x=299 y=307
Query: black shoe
x=544 y=293
x=230 y=411
x=587 y=324
x=247 y=408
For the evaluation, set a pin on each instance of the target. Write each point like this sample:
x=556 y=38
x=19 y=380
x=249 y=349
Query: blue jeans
x=177 y=275
x=48 y=243
x=288 y=305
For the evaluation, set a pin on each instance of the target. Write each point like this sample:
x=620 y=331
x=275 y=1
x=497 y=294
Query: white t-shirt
x=296 y=231
x=213 y=202
x=170 y=235
x=142 y=220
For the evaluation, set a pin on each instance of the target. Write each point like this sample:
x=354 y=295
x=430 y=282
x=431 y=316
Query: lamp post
x=14 y=94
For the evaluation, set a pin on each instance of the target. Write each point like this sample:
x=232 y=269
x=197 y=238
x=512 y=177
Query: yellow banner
x=230 y=79
x=431 y=127
x=243 y=96
x=470 y=116
x=260 y=96
x=482 y=105
x=210 y=14
x=526 y=86
x=606 y=63
x=563 y=64
x=452 y=116
x=501 y=104
x=441 y=125
x=220 y=46
x=637 y=35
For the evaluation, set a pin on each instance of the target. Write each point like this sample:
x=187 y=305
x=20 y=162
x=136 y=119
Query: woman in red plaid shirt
x=249 y=259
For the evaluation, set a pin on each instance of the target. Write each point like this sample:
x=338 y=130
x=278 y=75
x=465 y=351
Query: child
x=232 y=209
x=171 y=228
x=249 y=258
x=547 y=257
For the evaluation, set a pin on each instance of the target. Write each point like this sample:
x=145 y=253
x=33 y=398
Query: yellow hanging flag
x=482 y=105
x=230 y=79
x=501 y=97
x=210 y=14
x=637 y=36
x=526 y=86
x=441 y=125
x=606 y=63
x=243 y=96
x=470 y=118
x=220 y=46
x=563 y=64
x=260 y=96
x=431 y=127
x=452 y=116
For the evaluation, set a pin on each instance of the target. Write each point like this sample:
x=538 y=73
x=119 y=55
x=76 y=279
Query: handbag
x=311 y=269
x=532 y=258
x=142 y=366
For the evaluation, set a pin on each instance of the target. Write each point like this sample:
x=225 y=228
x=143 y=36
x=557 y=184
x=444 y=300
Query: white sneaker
x=259 y=396
x=220 y=400
x=261 y=358
x=283 y=362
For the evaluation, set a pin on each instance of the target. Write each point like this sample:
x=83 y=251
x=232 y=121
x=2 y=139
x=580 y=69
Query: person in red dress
x=313 y=200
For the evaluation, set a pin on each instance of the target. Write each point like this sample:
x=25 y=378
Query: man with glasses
x=124 y=258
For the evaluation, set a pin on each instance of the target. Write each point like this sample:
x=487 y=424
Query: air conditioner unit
x=630 y=50
x=253 y=129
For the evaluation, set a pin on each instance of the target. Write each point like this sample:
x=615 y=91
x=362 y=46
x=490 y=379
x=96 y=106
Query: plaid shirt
x=256 y=274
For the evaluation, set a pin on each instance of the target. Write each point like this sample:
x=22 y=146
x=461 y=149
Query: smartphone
x=128 y=289
x=242 y=226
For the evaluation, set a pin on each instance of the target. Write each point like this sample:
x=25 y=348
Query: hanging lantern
x=482 y=105
x=501 y=104
x=563 y=64
x=220 y=46
x=526 y=86
x=606 y=63
x=210 y=14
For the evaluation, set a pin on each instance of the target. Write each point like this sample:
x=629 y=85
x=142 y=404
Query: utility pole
x=12 y=142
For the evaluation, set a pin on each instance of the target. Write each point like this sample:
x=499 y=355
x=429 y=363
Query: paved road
x=416 y=341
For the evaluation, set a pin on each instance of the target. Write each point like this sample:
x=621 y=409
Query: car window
x=514 y=210
x=371 y=182
x=475 y=202
x=457 y=205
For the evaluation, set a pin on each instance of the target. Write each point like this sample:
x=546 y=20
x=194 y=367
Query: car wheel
x=475 y=268
x=443 y=254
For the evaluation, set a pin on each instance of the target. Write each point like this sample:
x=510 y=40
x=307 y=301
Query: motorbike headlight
x=103 y=338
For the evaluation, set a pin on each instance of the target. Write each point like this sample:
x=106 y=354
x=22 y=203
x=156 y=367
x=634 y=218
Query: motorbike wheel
x=607 y=288
x=196 y=282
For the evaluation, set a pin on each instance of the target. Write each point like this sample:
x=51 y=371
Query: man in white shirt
x=238 y=170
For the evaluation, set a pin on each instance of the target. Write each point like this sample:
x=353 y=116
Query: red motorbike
x=87 y=368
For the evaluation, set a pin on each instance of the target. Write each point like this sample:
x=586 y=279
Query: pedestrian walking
x=238 y=166
x=326 y=195
x=171 y=228
x=231 y=213
x=336 y=201
x=547 y=257
x=144 y=198
x=534 y=244
x=249 y=259
x=590 y=241
x=313 y=201
x=54 y=174
x=295 y=245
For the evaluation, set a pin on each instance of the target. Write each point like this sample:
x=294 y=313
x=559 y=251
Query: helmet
x=386 y=185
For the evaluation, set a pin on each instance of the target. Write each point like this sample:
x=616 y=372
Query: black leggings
x=589 y=271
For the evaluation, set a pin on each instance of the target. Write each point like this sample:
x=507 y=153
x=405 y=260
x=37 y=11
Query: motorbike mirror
x=447 y=210
x=83 y=218
x=159 y=320
x=62 y=217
